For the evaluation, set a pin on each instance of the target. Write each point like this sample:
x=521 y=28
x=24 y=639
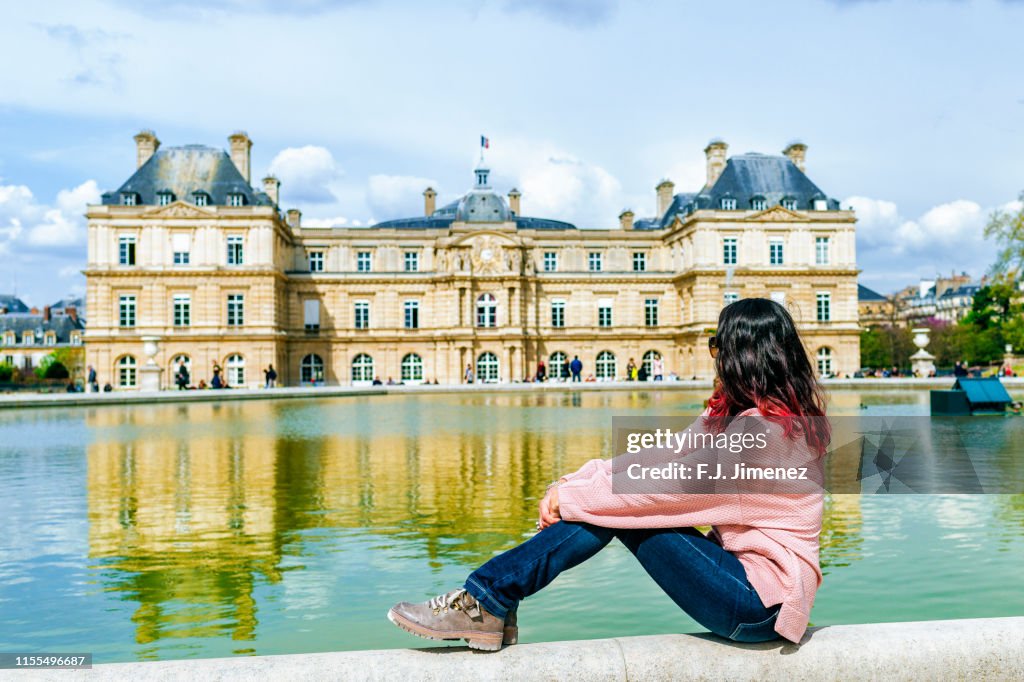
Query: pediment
x=778 y=214
x=492 y=237
x=179 y=209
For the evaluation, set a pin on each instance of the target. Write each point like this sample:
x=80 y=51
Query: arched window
x=487 y=368
x=362 y=368
x=412 y=368
x=236 y=370
x=311 y=370
x=486 y=311
x=126 y=372
x=648 y=363
x=825 y=361
x=556 y=365
x=606 y=365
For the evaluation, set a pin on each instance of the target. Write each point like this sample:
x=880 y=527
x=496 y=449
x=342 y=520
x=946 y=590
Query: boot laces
x=458 y=600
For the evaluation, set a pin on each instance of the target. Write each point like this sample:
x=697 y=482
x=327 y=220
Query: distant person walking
x=542 y=371
x=959 y=370
x=216 y=381
x=94 y=386
x=181 y=377
x=565 y=370
x=576 y=367
x=631 y=370
x=468 y=376
x=658 y=367
x=271 y=376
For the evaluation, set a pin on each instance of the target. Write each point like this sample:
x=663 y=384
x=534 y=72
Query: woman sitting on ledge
x=752 y=579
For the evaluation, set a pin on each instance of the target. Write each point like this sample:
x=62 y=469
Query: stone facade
x=235 y=282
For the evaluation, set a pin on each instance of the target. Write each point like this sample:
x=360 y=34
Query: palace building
x=188 y=262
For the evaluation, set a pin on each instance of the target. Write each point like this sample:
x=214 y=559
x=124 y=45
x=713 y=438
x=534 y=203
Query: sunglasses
x=713 y=345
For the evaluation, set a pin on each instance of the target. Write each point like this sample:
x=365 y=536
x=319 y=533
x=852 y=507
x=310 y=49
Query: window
x=648 y=363
x=362 y=314
x=9 y=360
x=9 y=340
x=412 y=261
x=126 y=372
x=651 y=312
x=779 y=297
x=605 y=365
x=182 y=310
x=200 y=198
x=558 y=313
x=775 y=252
x=412 y=368
x=604 y=312
x=176 y=363
x=50 y=339
x=820 y=205
x=759 y=203
x=164 y=198
x=550 y=261
x=728 y=204
x=236 y=250
x=311 y=315
x=126 y=250
x=487 y=368
x=236 y=370
x=821 y=250
x=236 y=310
x=594 y=261
x=639 y=262
x=316 y=261
x=824 y=306
x=28 y=338
x=412 y=314
x=128 y=198
x=730 y=297
x=363 y=263
x=76 y=339
x=180 y=247
x=236 y=199
x=789 y=204
x=362 y=368
x=311 y=369
x=126 y=310
x=556 y=365
x=486 y=311
x=824 y=357
x=729 y=251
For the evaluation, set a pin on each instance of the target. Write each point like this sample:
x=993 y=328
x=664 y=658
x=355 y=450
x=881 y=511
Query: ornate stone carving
x=777 y=214
x=178 y=209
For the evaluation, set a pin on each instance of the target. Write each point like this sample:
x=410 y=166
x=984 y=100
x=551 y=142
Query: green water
x=272 y=527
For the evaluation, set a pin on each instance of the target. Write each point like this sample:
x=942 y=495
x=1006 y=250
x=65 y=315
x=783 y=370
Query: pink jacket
x=774 y=536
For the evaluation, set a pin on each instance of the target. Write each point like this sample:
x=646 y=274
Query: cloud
x=577 y=13
x=307 y=174
x=397 y=196
x=94 y=64
x=26 y=224
x=894 y=251
x=293 y=7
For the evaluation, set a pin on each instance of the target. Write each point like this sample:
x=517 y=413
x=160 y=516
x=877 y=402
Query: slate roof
x=23 y=322
x=865 y=294
x=746 y=177
x=457 y=210
x=968 y=290
x=13 y=304
x=184 y=170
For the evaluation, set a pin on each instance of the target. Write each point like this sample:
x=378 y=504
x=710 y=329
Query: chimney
x=72 y=312
x=295 y=218
x=429 y=201
x=34 y=310
x=715 y=154
x=146 y=145
x=513 y=200
x=46 y=313
x=240 y=148
x=626 y=220
x=272 y=187
x=797 y=153
x=666 y=190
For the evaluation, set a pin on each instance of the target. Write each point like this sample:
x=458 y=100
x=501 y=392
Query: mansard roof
x=13 y=304
x=865 y=294
x=185 y=170
x=61 y=325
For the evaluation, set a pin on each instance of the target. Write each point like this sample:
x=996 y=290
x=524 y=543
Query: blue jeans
x=701 y=577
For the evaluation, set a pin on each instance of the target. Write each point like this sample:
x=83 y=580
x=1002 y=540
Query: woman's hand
x=549 y=509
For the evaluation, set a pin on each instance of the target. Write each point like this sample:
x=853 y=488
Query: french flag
x=485 y=142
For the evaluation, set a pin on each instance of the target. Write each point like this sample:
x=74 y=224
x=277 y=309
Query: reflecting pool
x=270 y=527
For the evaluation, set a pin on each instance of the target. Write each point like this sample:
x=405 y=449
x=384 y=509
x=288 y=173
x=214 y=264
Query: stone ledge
x=984 y=648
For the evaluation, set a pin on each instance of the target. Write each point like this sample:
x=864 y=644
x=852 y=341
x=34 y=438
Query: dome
x=482 y=206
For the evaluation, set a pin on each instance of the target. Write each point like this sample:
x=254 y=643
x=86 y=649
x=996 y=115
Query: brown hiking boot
x=455 y=615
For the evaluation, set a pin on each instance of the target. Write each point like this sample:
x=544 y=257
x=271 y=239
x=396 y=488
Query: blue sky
x=912 y=111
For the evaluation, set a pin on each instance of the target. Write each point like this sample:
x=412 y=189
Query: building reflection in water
x=192 y=508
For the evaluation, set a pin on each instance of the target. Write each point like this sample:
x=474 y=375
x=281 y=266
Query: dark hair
x=762 y=364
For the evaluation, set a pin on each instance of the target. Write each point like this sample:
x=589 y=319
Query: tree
x=6 y=372
x=994 y=304
x=1007 y=227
